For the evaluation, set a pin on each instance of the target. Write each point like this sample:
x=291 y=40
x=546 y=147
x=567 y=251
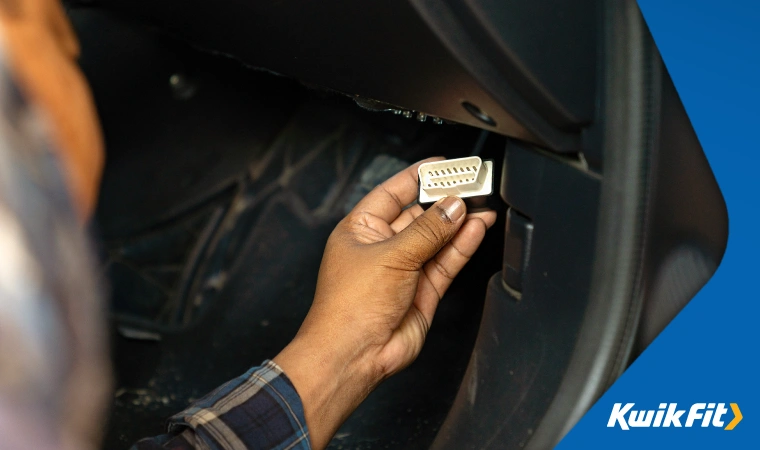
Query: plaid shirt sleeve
x=257 y=410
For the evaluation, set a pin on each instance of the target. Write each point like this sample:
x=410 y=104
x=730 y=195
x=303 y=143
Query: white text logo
x=668 y=415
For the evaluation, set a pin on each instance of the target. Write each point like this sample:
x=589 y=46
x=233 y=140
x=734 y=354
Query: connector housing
x=463 y=177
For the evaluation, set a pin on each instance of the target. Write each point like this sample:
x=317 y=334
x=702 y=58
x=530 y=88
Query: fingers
x=408 y=215
x=488 y=217
x=416 y=244
x=389 y=198
x=441 y=270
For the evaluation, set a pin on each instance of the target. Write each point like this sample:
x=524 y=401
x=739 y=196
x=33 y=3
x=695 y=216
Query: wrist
x=330 y=381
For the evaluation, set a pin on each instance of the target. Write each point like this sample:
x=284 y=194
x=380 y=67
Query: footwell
x=214 y=211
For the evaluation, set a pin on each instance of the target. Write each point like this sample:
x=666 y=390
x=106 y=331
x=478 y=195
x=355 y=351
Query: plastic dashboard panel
x=611 y=263
x=415 y=54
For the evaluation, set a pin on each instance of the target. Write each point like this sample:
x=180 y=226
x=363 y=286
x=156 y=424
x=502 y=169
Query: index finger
x=390 y=197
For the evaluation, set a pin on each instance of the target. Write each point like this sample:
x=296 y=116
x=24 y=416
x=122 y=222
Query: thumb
x=423 y=238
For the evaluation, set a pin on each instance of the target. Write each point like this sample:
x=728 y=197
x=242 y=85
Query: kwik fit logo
x=668 y=415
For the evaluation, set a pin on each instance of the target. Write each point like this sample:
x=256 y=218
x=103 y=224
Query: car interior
x=239 y=133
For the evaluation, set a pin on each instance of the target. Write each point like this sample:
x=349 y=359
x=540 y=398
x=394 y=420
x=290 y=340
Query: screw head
x=479 y=114
x=182 y=86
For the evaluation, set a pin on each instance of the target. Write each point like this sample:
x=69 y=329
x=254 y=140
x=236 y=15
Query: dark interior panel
x=419 y=56
x=545 y=50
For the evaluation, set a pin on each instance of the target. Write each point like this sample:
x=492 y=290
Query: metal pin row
x=466 y=169
x=449 y=183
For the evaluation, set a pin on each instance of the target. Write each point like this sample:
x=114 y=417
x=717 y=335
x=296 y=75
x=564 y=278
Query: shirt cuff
x=259 y=409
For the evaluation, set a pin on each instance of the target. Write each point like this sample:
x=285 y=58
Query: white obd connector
x=463 y=177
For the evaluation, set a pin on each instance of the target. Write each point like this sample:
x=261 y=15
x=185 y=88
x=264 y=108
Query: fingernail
x=452 y=207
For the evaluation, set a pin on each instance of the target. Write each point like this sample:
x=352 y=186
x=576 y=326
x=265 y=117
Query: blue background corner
x=709 y=353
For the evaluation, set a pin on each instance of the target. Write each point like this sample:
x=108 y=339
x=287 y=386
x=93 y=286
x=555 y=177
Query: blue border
x=709 y=353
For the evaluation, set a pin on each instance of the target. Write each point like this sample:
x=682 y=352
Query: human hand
x=384 y=270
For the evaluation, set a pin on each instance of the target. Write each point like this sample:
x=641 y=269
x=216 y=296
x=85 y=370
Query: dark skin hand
x=384 y=270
